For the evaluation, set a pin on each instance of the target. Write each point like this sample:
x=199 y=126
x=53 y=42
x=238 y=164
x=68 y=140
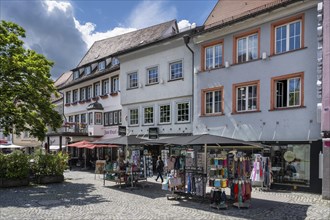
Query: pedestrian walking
x=160 y=168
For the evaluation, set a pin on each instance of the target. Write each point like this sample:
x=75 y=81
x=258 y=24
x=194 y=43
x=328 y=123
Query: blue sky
x=64 y=30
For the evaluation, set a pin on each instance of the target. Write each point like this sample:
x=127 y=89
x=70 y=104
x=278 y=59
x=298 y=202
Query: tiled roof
x=64 y=78
x=228 y=10
x=104 y=48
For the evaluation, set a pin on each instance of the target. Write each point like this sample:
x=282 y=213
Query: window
x=101 y=65
x=90 y=118
x=114 y=61
x=96 y=89
x=112 y=118
x=152 y=74
x=68 y=97
x=246 y=46
x=148 y=115
x=89 y=92
x=164 y=114
x=105 y=87
x=246 y=96
x=176 y=70
x=83 y=118
x=76 y=118
x=115 y=117
x=76 y=74
x=82 y=94
x=287 y=91
x=132 y=80
x=88 y=70
x=133 y=116
x=183 y=112
x=212 y=55
x=119 y=117
x=98 y=118
x=287 y=35
x=212 y=101
x=115 y=84
x=75 y=95
x=70 y=118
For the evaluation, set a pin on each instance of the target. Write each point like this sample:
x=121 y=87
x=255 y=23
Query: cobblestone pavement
x=83 y=197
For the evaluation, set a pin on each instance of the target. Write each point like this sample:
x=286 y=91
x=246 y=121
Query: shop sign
x=289 y=156
x=122 y=130
x=153 y=133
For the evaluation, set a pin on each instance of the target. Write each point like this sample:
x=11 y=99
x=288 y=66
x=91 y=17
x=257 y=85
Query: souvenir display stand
x=228 y=170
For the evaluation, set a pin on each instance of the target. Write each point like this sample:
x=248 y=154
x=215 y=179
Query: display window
x=291 y=164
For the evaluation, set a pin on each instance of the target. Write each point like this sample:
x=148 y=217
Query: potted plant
x=49 y=168
x=14 y=169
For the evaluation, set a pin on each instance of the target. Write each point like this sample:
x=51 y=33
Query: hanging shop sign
x=153 y=133
x=122 y=130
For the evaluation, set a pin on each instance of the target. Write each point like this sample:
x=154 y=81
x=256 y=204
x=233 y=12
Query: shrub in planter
x=49 y=168
x=14 y=169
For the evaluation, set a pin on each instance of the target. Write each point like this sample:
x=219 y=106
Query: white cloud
x=185 y=24
x=149 y=13
x=63 y=6
x=89 y=36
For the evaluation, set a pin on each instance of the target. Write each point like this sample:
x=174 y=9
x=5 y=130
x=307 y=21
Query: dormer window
x=102 y=65
x=76 y=75
x=114 y=61
x=88 y=70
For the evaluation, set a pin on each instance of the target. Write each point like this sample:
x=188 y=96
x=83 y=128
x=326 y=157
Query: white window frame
x=213 y=58
x=105 y=86
x=177 y=111
x=88 y=70
x=144 y=115
x=288 y=93
x=101 y=65
x=174 y=68
x=155 y=78
x=130 y=116
x=82 y=93
x=213 y=102
x=130 y=82
x=247 y=98
x=247 y=48
x=287 y=39
x=115 y=84
x=96 y=89
x=75 y=95
x=98 y=118
x=68 y=97
x=89 y=92
x=75 y=74
x=160 y=114
x=90 y=118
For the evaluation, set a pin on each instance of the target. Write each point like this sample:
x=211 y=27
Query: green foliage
x=50 y=164
x=14 y=165
x=25 y=86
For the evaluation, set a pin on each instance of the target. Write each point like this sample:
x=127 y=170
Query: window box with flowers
x=82 y=102
x=74 y=103
x=95 y=98
x=67 y=104
x=88 y=100
x=114 y=93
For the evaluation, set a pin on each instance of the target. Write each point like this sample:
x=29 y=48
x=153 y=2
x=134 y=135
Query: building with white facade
x=256 y=81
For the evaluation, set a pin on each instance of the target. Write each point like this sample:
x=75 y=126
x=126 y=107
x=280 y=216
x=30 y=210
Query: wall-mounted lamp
x=227 y=64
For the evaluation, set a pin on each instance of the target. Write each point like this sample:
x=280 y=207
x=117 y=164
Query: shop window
x=287 y=35
x=246 y=97
x=183 y=112
x=148 y=115
x=212 y=101
x=176 y=70
x=247 y=46
x=212 y=55
x=287 y=91
x=291 y=164
x=164 y=114
x=133 y=117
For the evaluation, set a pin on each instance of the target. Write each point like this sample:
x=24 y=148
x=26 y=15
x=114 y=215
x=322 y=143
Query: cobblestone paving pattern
x=83 y=197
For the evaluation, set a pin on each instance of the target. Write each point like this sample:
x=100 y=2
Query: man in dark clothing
x=159 y=168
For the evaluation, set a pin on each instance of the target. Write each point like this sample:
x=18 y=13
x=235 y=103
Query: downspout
x=65 y=120
x=186 y=39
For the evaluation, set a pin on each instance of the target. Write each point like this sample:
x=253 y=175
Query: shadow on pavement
x=49 y=196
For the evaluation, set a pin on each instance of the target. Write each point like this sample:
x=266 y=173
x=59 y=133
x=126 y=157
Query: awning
x=56 y=147
x=89 y=145
x=123 y=140
x=11 y=146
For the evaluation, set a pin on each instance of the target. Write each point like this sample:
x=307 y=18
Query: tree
x=25 y=86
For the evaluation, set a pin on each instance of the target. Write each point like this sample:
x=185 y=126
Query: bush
x=49 y=164
x=14 y=165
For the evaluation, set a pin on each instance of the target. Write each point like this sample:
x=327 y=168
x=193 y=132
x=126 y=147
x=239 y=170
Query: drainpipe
x=65 y=120
x=186 y=39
